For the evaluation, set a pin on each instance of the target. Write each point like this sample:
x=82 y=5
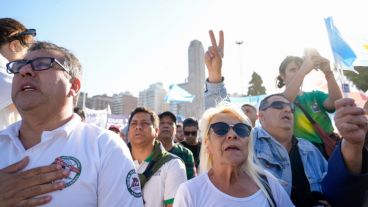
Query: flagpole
x=343 y=54
x=344 y=86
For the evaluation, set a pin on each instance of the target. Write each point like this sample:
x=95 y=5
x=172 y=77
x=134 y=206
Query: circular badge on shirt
x=132 y=183
x=71 y=164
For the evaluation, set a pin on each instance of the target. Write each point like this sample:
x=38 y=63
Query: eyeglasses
x=278 y=105
x=37 y=64
x=221 y=129
x=188 y=133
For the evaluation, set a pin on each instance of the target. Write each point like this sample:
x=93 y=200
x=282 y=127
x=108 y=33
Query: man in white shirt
x=74 y=163
x=160 y=172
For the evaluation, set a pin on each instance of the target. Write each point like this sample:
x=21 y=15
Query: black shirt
x=195 y=150
x=300 y=186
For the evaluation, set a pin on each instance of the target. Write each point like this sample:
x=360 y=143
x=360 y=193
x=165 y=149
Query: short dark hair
x=142 y=109
x=178 y=125
x=250 y=105
x=189 y=122
x=80 y=112
x=169 y=114
x=265 y=100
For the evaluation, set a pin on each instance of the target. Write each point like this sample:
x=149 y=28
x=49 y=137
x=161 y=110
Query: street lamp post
x=239 y=43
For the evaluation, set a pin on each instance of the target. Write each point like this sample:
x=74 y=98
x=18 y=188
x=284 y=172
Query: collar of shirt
x=12 y=131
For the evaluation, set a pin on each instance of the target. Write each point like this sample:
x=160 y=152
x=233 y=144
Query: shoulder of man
x=184 y=149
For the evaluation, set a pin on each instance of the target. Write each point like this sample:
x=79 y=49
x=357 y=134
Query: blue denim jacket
x=214 y=94
x=273 y=156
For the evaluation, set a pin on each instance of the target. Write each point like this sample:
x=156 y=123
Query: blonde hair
x=206 y=162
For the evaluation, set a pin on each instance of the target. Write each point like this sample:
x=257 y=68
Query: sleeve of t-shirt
x=279 y=193
x=118 y=182
x=190 y=166
x=175 y=175
x=182 y=197
x=321 y=98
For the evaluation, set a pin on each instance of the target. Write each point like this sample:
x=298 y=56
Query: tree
x=360 y=80
x=255 y=86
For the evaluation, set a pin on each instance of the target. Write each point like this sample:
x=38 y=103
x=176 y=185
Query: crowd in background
x=49 y=156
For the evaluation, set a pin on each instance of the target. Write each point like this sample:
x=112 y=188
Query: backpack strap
x=266 y=185
x=159 y=157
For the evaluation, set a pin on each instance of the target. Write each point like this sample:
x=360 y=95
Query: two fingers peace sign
x=213 y=57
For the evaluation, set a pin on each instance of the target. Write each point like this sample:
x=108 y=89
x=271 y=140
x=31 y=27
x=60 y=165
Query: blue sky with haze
x=127 y=45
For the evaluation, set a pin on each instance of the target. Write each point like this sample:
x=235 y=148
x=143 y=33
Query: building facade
x=195 y=81
x=153 y=98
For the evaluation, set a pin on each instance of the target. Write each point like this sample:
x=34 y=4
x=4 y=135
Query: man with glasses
x=297 y=163
x=58 y=159
x=190 y=128
x=160 y=172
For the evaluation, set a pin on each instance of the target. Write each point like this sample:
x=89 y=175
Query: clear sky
x=126 y=45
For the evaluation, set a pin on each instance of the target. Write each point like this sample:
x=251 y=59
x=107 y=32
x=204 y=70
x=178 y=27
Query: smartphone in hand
x=311 y=53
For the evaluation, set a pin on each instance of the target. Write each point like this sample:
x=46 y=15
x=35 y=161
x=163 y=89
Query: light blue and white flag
x=178 y=95
x=343 y=54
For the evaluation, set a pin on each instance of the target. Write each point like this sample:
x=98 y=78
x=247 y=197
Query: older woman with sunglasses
x=229 y=176
x=14 y=42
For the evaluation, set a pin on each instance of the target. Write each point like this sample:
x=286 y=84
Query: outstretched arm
x=292 y=88
x=352 y=124
x=215 y=88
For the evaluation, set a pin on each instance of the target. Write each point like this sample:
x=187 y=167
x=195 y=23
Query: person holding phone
x=317 y=104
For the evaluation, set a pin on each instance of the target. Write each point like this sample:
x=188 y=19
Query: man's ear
x=75 y=87
x=261 y=116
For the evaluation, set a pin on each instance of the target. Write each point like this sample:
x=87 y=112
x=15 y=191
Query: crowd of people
x=50 y=157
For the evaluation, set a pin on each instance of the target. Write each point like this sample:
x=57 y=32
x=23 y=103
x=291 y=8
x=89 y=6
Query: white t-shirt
x=161 y=188
x=101 y=168
x=8 y=113
x=200 y=191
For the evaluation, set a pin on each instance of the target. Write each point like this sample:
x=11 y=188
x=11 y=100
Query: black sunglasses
x=187 y=133
x=19 y=35
x=221 y=129
x=278 y=105
x=37 y=64
x=31 y=32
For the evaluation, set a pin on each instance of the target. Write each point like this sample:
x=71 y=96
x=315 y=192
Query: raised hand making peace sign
x=213 y=58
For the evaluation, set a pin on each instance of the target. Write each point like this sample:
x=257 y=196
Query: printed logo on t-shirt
x=315 y=107
x=73 y=165
x=132 y=183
